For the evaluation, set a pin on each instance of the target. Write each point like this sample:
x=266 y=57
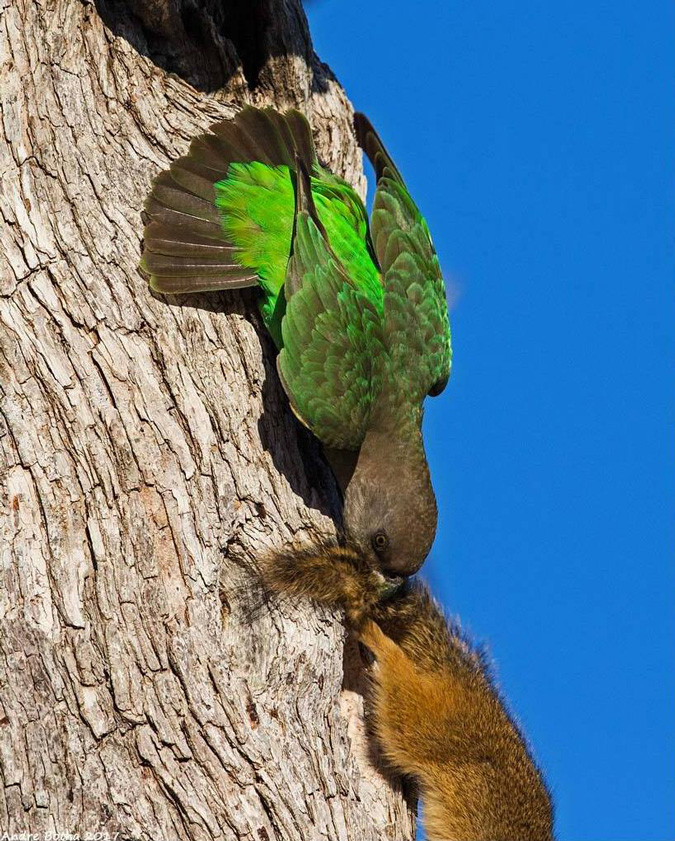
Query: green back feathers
x=332 y=332
x=257 y=205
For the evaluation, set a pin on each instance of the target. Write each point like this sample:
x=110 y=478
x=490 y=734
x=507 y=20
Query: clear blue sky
x=537 y=138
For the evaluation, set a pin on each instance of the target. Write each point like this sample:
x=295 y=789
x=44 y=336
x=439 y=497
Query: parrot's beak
x=389 y=586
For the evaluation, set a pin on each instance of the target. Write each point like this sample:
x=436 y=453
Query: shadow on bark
x=357 y=678
x=209 y=42
x=314 y=483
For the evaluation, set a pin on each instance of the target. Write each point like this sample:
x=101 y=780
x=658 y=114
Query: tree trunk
x=148 y=456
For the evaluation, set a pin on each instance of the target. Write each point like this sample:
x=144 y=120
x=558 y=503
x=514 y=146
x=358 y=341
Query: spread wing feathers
x=331 y=335
x=185 y=248
x=417 y=330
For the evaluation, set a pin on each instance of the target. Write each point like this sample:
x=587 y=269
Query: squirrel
x=436 y=713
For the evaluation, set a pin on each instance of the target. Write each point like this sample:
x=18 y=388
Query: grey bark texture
x=148 y=457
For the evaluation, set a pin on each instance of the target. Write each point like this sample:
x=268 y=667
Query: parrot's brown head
x=390 y=509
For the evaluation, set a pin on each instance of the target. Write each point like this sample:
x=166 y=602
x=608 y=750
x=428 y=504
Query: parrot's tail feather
x=186 y=248
x=369 y=141
x=304 y=200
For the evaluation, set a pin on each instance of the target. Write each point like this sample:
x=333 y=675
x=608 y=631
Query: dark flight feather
x=186 y=248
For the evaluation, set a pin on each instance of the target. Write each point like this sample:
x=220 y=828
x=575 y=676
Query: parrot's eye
x=380 y=541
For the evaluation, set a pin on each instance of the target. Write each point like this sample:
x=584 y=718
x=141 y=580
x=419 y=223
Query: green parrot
x=357 y=310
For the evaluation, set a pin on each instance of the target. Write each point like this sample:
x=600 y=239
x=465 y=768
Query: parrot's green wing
x=331 y=334
x=186 y=246
x=222 y=216
x=416 y=326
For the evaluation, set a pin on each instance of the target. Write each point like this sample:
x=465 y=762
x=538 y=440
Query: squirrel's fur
x=437 y=715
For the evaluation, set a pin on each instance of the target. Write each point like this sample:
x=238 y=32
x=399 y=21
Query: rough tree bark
x=148 y=456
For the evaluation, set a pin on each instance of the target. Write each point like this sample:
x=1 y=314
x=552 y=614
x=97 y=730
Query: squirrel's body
x=436 y=713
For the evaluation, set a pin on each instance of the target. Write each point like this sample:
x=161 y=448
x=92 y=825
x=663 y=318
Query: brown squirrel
x=437 y=715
